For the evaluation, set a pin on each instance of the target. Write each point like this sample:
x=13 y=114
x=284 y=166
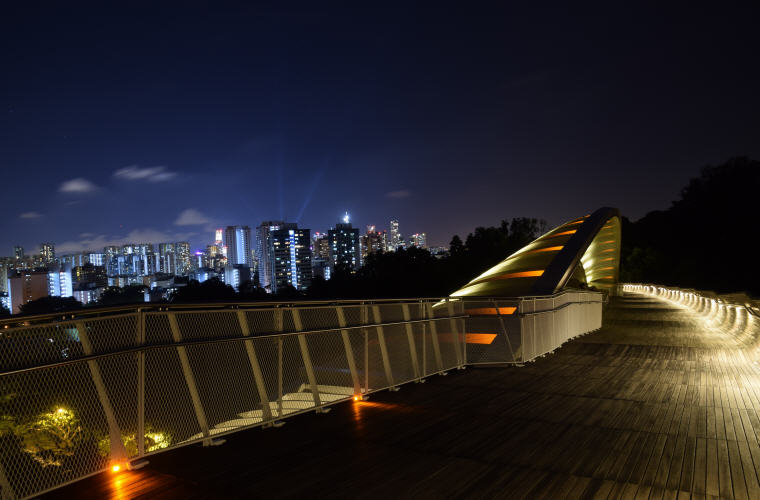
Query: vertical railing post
x=458 y=343
x=279 y=326
x=349 y=350
x=141 y=383
x=504 y=331
x=6 y=492
x=187 y=371
x=258 y=377
x=365 y=320
x=306 y=358
x=410 y=339
x=383 y=348
x=118 y=451
x=434 y=336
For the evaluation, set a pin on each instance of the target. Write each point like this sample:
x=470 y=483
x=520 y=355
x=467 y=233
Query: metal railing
x=734 y=314
x=85 y=392
x=522 y=329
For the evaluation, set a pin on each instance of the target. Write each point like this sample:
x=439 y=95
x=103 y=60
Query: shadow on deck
x=652 y=405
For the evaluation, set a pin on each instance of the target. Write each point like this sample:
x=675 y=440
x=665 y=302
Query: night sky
x=147 y=124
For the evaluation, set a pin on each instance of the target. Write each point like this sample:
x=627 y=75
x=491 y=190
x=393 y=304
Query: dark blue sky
x=117 y=121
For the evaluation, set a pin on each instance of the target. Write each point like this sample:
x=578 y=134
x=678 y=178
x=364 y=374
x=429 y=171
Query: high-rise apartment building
x=373 y=242
x=237 y=239
x=25 y=287
x=289 y=257
x=47 y=252
x=18 y=252
x=263 y=242
x=182 y=252
x=166 y=258
x=395 y=236
x=418 y=240
x=344 y=247
x=320 y=255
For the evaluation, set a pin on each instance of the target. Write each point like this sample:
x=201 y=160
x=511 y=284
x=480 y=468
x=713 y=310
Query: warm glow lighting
x=563 y=233
x=490 y=311
x=521 y=274
x=547 y=249
x=356 y=398
x=608 y=259
x=480 y=338
x=608 y=250
x=116 y=468
x=574 y=223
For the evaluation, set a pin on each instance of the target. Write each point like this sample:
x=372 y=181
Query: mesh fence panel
x=201 y=374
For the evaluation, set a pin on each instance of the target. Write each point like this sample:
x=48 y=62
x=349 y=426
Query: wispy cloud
x=191 y=217
x=402 y=193
x=96 y=242
x=30 y=215
x=78 y=185
x=152 y=174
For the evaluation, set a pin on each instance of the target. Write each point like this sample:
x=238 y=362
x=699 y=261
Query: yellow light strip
x=572 y=231
x=547 y=249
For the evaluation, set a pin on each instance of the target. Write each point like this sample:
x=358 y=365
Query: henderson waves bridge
x=647 y=392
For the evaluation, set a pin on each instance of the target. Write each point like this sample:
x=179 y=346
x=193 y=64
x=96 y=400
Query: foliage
x=211 y=290
x=701 y=241
x=50 y=437
x=131 y=294
x=47 y=305
x=154 y=440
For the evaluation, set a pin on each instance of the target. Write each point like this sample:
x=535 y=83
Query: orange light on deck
x=490 y=311
x=480 y=338
x=356 y=398
x=115 y=468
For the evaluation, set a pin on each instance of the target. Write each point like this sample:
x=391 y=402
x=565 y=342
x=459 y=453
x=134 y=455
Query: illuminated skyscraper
x=47 y=251
x=182 y=252
x=395 y=236
x=344 y=247
x=263 y=242
x=418 y=240
x=289 y=257
x=237 y=239
x=18 y=252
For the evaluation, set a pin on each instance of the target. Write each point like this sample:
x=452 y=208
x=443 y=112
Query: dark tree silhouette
x=702 y=240
x=131 y=294
x=211 y=290
x=47 y=305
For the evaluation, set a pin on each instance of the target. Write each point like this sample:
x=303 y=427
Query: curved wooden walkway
x=654 y=405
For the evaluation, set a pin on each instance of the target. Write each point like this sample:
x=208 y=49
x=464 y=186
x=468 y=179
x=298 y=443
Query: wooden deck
x=651 y=406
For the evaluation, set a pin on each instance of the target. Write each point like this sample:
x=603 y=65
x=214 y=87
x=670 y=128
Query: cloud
x=30 y=215
x=191 y=217
x=152 y=174
x=96 y=242
x=78 y=185
x=402 y=193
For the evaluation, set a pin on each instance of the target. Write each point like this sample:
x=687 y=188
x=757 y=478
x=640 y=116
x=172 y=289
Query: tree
x=131 y=294
x=701 y=240
x=47 y=305
x=211 y=290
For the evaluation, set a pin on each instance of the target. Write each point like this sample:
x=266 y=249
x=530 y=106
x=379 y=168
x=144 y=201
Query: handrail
x=185 y=343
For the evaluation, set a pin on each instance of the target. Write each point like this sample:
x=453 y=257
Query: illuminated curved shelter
x=584 y=252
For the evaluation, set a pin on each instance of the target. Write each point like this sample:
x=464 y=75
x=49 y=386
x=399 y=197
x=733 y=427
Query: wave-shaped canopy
x=582 y=251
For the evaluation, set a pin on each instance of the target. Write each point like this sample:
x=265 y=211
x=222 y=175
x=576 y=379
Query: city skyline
x=198 y=244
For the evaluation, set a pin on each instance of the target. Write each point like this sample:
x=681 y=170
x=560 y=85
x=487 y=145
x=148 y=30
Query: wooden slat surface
x=654 y=405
